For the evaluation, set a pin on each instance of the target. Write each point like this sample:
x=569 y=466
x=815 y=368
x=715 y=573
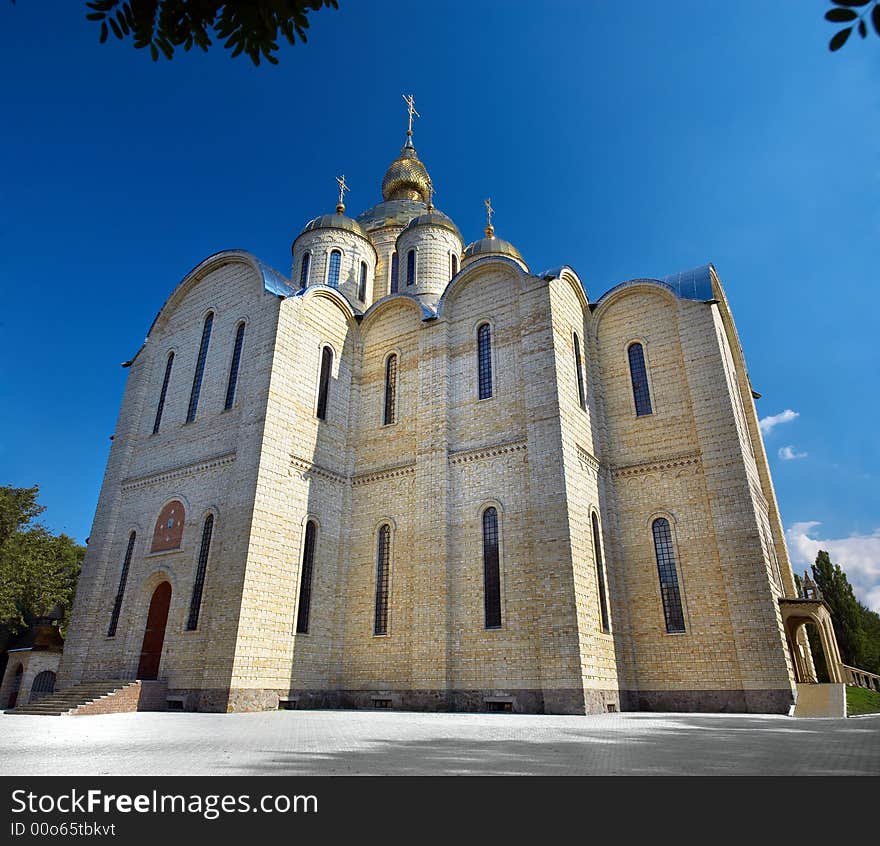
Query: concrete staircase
x=111 y=696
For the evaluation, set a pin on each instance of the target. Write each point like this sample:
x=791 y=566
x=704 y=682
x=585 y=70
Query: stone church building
x=417 y=474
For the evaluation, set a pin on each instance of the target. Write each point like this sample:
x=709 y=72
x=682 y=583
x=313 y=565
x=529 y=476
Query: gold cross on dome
x=411 y=108
x=489 y=212
x=430 y=193
x=343 y=187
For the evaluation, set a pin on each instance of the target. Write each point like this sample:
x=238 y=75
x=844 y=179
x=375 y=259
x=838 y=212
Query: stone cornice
x=309 y=468
x=396 y=472
x=180 y=472
x=587 y=459
x=468 y=455
x=685 y=459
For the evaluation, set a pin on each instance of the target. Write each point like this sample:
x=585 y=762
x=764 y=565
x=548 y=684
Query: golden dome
x=406 y=178
x=492 y=246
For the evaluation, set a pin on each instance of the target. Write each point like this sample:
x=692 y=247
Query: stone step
x=71 y=699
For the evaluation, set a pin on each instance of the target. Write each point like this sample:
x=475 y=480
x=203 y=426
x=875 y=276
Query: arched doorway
x=154 y=634
x=43 y=685
x=797 y=613
x=16 y=684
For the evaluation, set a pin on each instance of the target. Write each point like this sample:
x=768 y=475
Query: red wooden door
x=154 y=635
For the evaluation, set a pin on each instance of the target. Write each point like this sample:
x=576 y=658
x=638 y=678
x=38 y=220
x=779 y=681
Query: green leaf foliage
x=847 y=11
x=251 y=27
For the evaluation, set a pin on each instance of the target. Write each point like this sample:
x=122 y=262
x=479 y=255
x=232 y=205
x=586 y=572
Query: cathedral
x=418 y=474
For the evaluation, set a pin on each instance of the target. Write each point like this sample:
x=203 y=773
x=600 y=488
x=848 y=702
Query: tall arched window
x=305 y=579
x=411 y=267
x=639 y=374
x=491 y=570
x=200 y=369
x=362 y=283
x=195 y=602
x=453 y=265
x=665 y=552
x=233 y=367
x=484 y=360
x=304 y=269
x=120 y=591
x=390 y=414
x=600 y=573
x=324 y=382
x=578 y=369
x=161 y=407
x=333 y=268
x=395 y=272
x=383 y=579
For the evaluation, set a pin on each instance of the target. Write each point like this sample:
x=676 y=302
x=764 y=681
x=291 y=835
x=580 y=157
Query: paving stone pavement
x=372 y=743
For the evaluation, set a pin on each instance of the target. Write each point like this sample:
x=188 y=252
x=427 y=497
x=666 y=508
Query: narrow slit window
x=411 y=268
x=333 y=268
x=600 y=573
x=200 y=369
x=195 y=603
x=304 y=270
x=233 y=367
x=390 y=414
x=362 y=283
x=484 y=360
x=578 y=368
x=395 y=271
x=453 y=265
x=161 y=407
x=305 y=581
x=120 y=591
x=673 y=610
x=639 y=375
x=383 y=578
x=491 y=570
x=324 y=382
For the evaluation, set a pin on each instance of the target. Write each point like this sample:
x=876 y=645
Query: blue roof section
x=693 y=284
x=274 y=282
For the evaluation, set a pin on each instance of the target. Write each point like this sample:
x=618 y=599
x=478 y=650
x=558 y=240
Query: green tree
x=846 y=11
x=845 y=611
x=251 y=27
x=38 y=570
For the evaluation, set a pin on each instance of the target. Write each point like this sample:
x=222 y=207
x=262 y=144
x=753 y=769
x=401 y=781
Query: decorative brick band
x=178 y=472
x=309 y=468
x=395 y=472
x=587 y=459
x=673 y=461
x=468 y=455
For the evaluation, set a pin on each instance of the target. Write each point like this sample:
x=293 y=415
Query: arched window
x=200 y=368
x=395 y=271
x=233 y=367
x=600 y=572
x=333 y=268
x=491 y=570
x=195 y=602
x=161 y=407
x=304 y=269
x=639 y=375
x=390 y=389
x=305 y=579
x=324 y=382
x=383 y=579
x=453 y=265
x=411 y=267
x=582 y=397
x=362 y=283
x=120 y=591
x=665 y=552
x=484 y=360
x=168 y=531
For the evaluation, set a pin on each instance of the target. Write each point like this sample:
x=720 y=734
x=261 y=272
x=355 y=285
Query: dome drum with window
x=427 y=249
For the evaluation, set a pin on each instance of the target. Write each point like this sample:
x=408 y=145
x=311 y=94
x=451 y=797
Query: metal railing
x=860 y=678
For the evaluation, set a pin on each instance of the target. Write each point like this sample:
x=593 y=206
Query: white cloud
x=788 y=453
x=767 y=424
x=857 y=555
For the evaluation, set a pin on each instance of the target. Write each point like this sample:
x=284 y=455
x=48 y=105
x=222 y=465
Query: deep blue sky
x=626 y=140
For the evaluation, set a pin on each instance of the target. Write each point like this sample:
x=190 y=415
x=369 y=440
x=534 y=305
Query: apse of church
x=418 y=474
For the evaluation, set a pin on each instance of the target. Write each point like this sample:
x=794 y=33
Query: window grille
x=200 y=369
x=383 y=574
x=390 y=414
x=491 y=570
x=120 y=591
x=639 y=374
x=161 y=407
x=484 y=360
x=198 y=586
x=305 y=582
x=673 y=610
x=233 y=368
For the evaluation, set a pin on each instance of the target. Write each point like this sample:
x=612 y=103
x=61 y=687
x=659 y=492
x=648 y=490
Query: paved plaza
x=375 y=743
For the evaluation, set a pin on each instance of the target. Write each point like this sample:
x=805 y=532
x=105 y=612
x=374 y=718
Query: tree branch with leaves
x=846 y=11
